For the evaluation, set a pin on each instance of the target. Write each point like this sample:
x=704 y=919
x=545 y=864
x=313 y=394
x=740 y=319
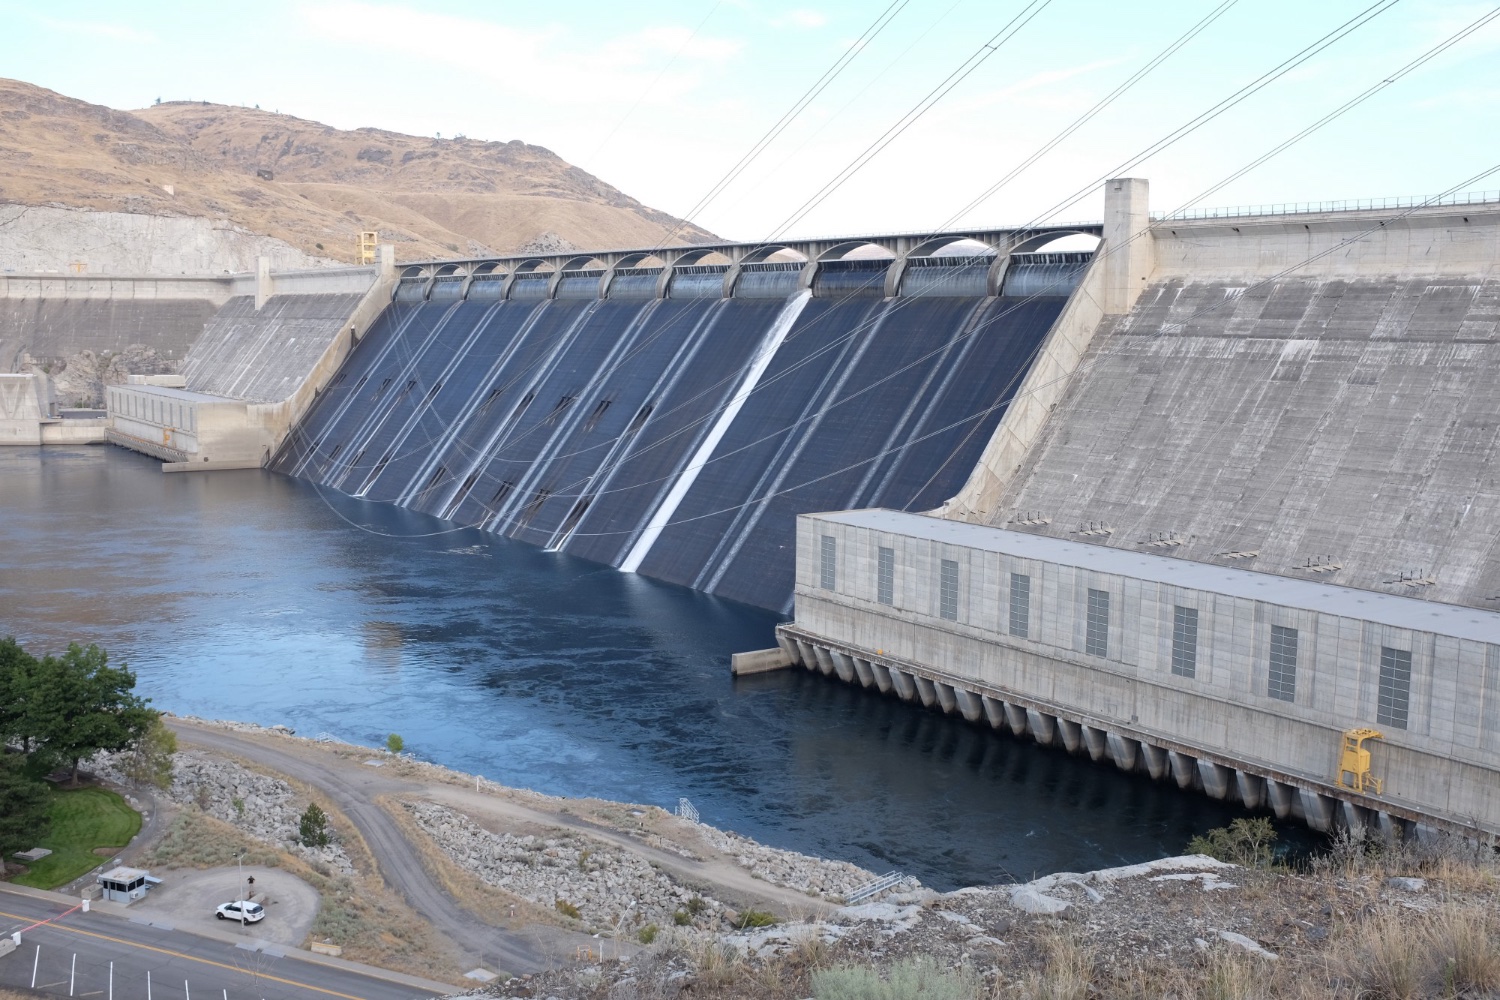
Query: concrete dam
x=674 y=421
x=1216 y=503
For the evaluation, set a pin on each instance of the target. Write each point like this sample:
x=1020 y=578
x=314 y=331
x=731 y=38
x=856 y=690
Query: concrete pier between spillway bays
x=1082 y=647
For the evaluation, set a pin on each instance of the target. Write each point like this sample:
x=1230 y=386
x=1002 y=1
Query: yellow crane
x=1354 y=762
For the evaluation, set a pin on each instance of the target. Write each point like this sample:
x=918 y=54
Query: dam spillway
x=679 y=436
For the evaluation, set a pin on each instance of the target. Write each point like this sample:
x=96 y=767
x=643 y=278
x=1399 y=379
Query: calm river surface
x=245 y=595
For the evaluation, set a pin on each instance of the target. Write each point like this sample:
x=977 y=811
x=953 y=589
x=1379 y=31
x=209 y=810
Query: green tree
x=89 y=707
x=26 y=714
x=150 y=760
x=24 y=802
x=312 y=830
x=394 y=743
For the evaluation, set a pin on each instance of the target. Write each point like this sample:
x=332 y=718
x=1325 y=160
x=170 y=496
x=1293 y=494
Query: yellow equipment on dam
x=1354 y=762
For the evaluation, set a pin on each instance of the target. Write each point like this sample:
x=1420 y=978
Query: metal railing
x=1353 y=205
x=884 y=883
x=687 y=811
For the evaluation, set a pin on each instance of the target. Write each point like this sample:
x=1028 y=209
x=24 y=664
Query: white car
x=242 y=910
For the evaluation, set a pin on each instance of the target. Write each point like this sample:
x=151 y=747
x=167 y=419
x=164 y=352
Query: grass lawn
x=82 y=819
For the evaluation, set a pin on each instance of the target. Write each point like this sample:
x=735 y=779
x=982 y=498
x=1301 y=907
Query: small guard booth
x=126 y=885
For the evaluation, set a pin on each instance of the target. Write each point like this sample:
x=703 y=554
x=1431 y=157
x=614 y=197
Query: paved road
x=105 y=956
x=353 y=791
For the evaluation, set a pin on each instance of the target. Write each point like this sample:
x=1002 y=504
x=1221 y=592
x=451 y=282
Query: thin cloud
x=118 y=32
x=544 y=62
x=801 y=18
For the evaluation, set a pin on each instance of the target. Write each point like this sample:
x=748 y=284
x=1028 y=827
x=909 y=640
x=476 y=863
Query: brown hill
x=308 y=184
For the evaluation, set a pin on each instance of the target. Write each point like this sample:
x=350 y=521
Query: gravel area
x=608 y=886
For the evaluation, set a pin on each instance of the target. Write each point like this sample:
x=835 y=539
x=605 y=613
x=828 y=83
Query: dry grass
x=1067 y=971
x=1461 y=865
x=195 y=840
x=1402 y=955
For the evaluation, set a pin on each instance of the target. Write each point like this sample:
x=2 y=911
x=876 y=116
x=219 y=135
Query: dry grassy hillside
x=309 y=184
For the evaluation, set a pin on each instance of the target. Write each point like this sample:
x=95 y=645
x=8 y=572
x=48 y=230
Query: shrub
x=647 y=934
x=567 y=909
x=755 y=918
x=394 y=743
x=312 y=829
x=696 y=905
x=1244 y=842
x=682 y=918
x=919 y=977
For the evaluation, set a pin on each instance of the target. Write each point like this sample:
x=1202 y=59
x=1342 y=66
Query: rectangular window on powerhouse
x=1020 y=605
x=1185 y=642
x=827 y=577
x=1395 y=687
x=948 y=589
x=1282 y=682
x=885 y=576
x=1096 y=640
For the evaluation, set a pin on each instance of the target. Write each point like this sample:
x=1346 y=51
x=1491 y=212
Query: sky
x=662 y=99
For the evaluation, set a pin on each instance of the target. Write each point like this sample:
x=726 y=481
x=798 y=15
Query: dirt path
x=353 y=788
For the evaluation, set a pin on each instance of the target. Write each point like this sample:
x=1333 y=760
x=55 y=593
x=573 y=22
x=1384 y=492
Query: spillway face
x=264 y=355
x=677 y=437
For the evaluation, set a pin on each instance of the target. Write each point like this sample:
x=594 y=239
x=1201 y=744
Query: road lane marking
x=190 y=958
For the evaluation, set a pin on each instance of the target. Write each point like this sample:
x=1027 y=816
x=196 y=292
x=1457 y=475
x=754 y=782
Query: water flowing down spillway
x=676 y=437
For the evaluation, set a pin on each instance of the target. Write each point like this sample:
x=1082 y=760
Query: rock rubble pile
x=258 y=805
x=821 y=877
x=607 y=886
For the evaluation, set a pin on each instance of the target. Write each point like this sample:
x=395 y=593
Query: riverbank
x=476 y=875
x=1183 y=928
x=612 y=901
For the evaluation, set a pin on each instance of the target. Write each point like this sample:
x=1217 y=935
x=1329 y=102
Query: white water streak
x=768 y=348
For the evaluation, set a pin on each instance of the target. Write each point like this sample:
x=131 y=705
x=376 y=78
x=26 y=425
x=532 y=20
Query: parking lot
x=187 y=899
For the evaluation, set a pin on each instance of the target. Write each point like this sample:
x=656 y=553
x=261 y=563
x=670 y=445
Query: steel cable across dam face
x=1292 y=62
x=980 y=412
x=1155 y=61
x=1202 y=312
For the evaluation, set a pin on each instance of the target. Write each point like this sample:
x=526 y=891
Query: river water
x=247 y=595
